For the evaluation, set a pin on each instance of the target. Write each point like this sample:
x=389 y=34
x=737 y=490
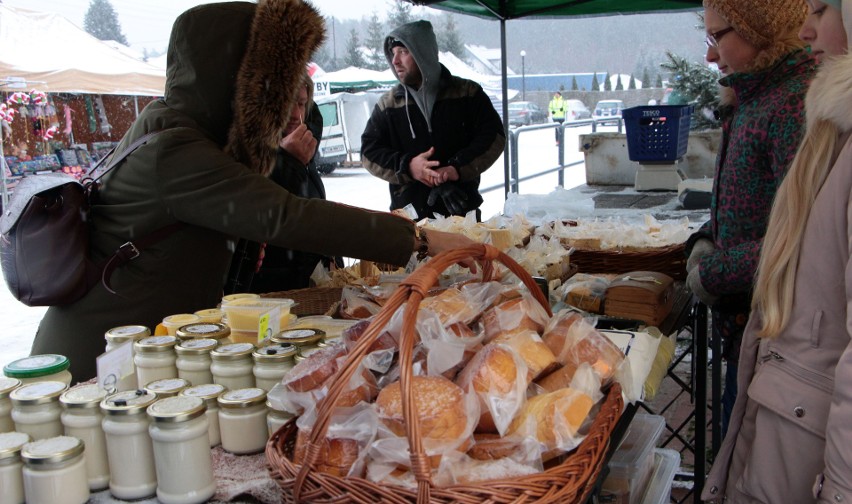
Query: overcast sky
x=147 y=23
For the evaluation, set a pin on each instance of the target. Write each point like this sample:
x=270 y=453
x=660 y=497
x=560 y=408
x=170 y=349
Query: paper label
x=268 y=324
x=115 y=365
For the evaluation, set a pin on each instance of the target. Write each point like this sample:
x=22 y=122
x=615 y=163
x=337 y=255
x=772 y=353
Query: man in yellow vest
x=557 y=111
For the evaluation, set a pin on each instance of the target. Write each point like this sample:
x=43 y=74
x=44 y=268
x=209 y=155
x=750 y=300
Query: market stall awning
x=514 y=9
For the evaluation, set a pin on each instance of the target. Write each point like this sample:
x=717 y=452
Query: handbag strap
x=115 y=160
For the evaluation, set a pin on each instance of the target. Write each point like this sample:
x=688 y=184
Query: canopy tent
x=352 y=79
x=59 y=57
x=503 y=10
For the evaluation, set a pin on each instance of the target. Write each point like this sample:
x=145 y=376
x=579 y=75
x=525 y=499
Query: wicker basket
x=311 y=301
x=669 y=260
x=568 y=482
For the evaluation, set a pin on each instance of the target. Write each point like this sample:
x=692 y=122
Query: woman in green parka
x=233 y=69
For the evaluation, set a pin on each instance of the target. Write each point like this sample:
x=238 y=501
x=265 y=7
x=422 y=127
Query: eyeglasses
x=712 y=40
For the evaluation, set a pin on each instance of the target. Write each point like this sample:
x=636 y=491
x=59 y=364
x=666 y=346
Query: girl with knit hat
x=790 y=434
x=766 y=72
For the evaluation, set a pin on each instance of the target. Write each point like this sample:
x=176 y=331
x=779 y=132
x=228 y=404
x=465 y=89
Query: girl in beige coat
x=790 y=434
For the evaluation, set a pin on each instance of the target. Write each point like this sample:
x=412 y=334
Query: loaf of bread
x=529 y=346
x=574 y=341
x=440 y=408
x=499 y=379
x=553 y=419
x=336 y=456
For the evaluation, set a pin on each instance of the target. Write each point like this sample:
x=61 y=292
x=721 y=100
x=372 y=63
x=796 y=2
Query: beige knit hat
x=761 y=22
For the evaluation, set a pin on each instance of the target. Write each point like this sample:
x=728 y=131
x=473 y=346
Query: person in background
x=557 y=111
x=225 y=108
x=257 y=267
x=789 y=436
x=433 y=135
x=766 y=72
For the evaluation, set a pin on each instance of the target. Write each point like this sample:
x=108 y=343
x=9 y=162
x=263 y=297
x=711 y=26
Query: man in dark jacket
x=433 y=135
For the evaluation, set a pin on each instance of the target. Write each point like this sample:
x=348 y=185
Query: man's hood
x=419 y=38
x=234 y=68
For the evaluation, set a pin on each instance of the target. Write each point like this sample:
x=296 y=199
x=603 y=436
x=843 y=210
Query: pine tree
x=574 y=83
x=607 y=83
x=595 y=84
x=632 y=83
x=696 y=84
x=375 y=44
x=646 y=78
x=449 y=40
x=400 y=14
x=101 y=22
x=659 y=82
x=353 y=51
x=618 y=85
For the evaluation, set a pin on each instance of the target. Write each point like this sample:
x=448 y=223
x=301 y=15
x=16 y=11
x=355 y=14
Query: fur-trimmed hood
x=234 y=68
x=830 y=95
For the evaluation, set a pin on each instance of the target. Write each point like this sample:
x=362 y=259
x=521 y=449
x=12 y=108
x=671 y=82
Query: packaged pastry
x=587 y=292
x=574 y=341
x=554 y=419
x=519 y=314
x=349 y=433
x=357 y=303
x=529 y=346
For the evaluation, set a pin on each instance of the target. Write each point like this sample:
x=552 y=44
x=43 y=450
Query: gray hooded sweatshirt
x=419 y=38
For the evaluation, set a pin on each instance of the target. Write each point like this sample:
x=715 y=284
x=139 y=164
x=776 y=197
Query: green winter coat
x=185 y=175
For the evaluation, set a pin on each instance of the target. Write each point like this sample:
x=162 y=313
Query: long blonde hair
x=779 y=258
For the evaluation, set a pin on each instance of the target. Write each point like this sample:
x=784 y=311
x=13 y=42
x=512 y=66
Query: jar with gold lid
x=306 y=337
x=168 y=387
x=272 y=363
x=232 y=365
x=126 y=427
x=209 y=392
x=82 y=417
x=275 y=417
x=193 y=360
x=242 y=420
x=216 y=331
x=7 y=385
x=36 y=409
x=35 y=368
x=155 y=359
x=55 y=471
x=124 y=334
x=11 y=467
x=181 y=450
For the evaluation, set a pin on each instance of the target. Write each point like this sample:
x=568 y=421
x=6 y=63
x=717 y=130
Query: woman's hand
x=440 y=241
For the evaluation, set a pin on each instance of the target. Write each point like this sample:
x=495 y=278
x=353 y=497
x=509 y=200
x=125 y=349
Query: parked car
x=606 y=109
x=524 y=113
x=576 y=110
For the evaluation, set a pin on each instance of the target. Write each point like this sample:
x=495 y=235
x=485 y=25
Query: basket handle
x=413 y=289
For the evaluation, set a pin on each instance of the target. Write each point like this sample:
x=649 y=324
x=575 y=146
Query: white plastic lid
x=636 y=446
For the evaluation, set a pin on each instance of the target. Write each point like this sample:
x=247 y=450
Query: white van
x=344 y=117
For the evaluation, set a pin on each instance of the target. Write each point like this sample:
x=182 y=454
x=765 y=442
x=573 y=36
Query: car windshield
x=608 y=105
x=517 y=106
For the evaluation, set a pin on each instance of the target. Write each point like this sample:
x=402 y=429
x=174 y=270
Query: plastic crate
x=632 y=462
x=657 y=133
x=666 y=464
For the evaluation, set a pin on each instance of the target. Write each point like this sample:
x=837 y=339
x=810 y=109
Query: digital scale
x=658 y=176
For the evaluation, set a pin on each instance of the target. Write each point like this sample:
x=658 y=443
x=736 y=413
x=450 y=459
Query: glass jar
x=306 y=337
x=82 y=419
x=174 y=322
x=126 y=427
x=181 y=450
x=275 y=418
x=11 y=467
x=155 y=359
x=55 y=471
x=242 y=420
x=169 y=387
x=304 y=352
x=218 y=332
x=36 y=409
x=193 y=360
x=47 y=367
x=211 y=315
x=232 y=365
x=271 y=364
x=123 y=334
x=210 y=392
x=7 y=385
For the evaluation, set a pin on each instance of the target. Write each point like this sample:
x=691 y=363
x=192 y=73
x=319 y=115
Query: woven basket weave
x=568 y=482
x=311 y=301
x=669 y=260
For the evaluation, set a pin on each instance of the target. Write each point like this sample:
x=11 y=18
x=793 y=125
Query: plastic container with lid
x=174 y=322
x=209 y=315
x=7 y=385
x=126 y=427
x=244 y=314
x=216 y=331
x=193 y=360
x=47 y=367
x=666 y=464
x=82 y=418
x=244 y=336
x=36 y=409
x=155 y=359
x=181 y=450
x=239 y=295
x=210 y=392
x=275 y=418
x=632 y=462
x=232 y=365
x=272 y=363
x=242 y=420
x=306 y=337
x=168 y=387
x=11 y=467
x=55 y=471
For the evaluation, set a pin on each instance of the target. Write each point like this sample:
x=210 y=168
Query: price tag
x=268 y=324
x=115 y=365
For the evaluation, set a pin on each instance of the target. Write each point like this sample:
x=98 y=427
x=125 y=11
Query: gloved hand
x=701 y=248
x=452 y=195
x=693 y=281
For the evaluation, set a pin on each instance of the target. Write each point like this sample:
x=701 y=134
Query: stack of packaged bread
x=501 y=389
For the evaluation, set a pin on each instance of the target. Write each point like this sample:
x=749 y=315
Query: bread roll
x=492 y=447
x=440 y=408
x=531 y=348
x=321 y=366
x=553 y=418
x=450 y=306
x=499 y=379
x=574 y=341
x=336 y=455
x=514 y=315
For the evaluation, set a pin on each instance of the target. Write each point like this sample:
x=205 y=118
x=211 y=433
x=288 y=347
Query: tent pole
x=136 y=104
x=505 y=82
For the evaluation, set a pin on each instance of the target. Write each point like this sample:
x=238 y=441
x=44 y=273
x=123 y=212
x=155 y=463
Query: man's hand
x=453 y=197
x=448 y=173
x=300 y=144
x=422 y=169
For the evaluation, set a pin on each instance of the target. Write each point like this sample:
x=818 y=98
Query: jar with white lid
x=55 y=471
x=275 y=418
x=168 y=387
x=232 y=365
x=36 y=409
x=82 y=418
x=181 y=450
x=209 y=392
x=193 y=360
x=129 y=448
x=306 y=337
x=272 y=363
x=216 y=331
x=242 y=420
x=174 y=322
x=35 y=368
x=155 y=359
x=11 y=467
x=7 y=385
